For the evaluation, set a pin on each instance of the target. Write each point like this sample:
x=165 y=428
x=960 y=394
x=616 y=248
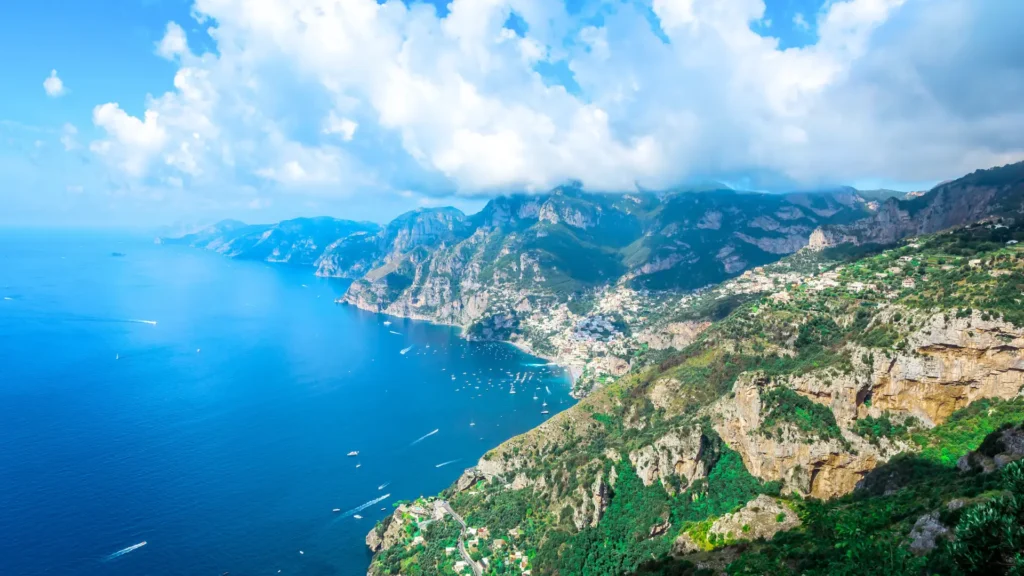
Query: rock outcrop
x=814 y=467
x=677 y=454
x=762 y=517
x=951 y=362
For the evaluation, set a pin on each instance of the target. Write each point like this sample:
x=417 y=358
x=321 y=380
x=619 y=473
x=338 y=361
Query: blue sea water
x=219 y=434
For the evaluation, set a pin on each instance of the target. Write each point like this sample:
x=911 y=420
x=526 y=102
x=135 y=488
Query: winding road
x=477 y=571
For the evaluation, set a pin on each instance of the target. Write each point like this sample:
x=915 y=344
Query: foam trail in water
x=393 y=332
x=8 y=298
x=383 y=486
x=539 y=364
x=362 y=507
x=150 y=322
x=124 y=551
x=404 y=350
x=547 y=389
x=424 y=437
x=446 y=463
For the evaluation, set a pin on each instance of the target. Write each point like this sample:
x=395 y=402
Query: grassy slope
x=818 y=324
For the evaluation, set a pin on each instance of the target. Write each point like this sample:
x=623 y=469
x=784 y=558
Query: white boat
x=387 y=322
x=357 y=516
x=336 y=510
x=358 y=465
x=544 y=412
x=354 y=453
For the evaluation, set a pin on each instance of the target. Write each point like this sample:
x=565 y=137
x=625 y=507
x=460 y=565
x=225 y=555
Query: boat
x=336 y=510
x=354 y=453
x=544 y=412
x=387 y=322
x=357 y=516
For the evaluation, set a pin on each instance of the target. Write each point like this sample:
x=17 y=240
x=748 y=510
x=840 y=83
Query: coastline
x=573 y=372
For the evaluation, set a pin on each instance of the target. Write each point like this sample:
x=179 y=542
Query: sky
x=154 y=112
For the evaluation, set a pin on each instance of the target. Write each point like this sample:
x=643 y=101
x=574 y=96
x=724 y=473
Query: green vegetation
x=812 y=420
x=840 y=328
x=874 y=429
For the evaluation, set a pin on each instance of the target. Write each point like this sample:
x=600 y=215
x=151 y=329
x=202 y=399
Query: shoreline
x=570 y=370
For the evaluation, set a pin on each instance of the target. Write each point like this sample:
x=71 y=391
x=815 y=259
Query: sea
x=206 y=407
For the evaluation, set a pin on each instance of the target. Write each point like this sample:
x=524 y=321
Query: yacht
x=354 y=453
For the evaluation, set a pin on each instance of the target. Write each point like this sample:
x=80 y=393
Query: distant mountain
x=569 y=241
x=994 y=192
x=300 y=241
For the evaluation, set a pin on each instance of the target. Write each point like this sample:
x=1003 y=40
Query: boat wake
x=396 y=333
x=362 y=507
x=424 y=437
x=124 y=551
x=404 y=350
x=150 y=322
x=383 y=486
x=446 y=463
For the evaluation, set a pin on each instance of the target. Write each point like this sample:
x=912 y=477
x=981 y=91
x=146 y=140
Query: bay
x=206 y=406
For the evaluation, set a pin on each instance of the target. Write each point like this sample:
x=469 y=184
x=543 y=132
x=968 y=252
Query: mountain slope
x=300 y=241
x=993 y=192
x=804 y=392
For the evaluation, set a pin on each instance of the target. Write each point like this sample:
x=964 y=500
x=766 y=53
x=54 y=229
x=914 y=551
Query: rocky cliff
x=994 y=192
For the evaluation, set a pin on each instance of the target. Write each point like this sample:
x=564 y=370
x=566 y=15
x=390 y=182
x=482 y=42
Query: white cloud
x=883 y=93
x=174 y=43
x=800 y=22
x=53 y=85
x=344 y=127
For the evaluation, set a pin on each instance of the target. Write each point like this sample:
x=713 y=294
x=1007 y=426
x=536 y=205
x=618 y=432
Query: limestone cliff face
x=951 y=363
x=678 y=453
x=822 y=469
x=944 y=207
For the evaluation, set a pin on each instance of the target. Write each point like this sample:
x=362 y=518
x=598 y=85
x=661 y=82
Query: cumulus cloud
x=53 y=85
x=892 y=89
x=174 y=43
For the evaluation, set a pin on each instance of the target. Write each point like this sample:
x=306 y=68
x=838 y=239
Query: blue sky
x=164 y=111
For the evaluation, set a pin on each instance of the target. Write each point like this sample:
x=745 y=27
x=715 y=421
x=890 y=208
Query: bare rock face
x=953 y=362
x=600 y=497
x=469 y=478
x=776 y=245
x=999 y=449
x=684 y=545
x=822 y=469
x=926 y=533
x=711 y=220
x=946 y=206
x=676 y=335
x=762 y=517
x=676 y=453
x=392 y=534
